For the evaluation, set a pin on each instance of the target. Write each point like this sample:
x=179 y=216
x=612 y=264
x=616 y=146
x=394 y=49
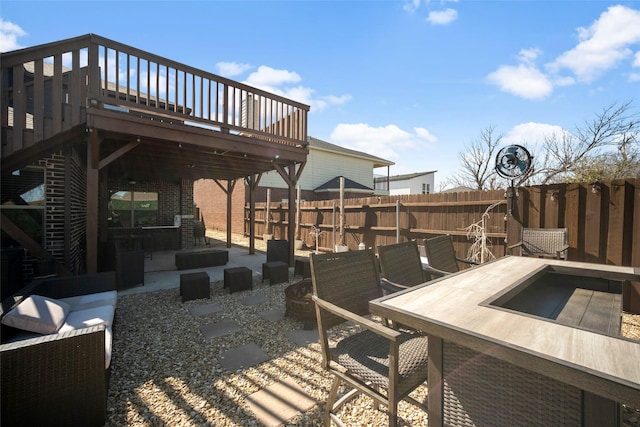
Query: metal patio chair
x=442 y=256
x=544 y=242
x=401 y=267
x=381 y=362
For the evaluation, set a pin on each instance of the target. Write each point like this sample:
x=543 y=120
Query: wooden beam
x=230 y=185
x=117 y=154
x=92 y=202
x=252 y=184
x=29 y=244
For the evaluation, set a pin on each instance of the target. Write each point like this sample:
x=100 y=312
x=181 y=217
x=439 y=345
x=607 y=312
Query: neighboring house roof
x=458 y=189
x=404 y=177
x=349 y=185
x=327 y=146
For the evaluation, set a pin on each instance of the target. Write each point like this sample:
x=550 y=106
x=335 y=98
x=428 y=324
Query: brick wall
x=212 y=204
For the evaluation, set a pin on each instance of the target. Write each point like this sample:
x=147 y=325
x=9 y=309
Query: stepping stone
x=219 y=329
x=303 y=337
x=278 y=403
x=254 y=300
x=243 y=357
x=272 y=315
x=204 y=310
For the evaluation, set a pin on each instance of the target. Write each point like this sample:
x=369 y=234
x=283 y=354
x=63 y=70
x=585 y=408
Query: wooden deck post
x=92 y=195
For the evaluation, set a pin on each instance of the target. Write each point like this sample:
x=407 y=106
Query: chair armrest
x=435 y=272
x=515 y=245
x=467 y=261
x=376 y=328
x=561 y=250
x=390 y=286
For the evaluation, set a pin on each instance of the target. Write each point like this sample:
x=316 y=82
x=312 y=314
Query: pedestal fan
x=513 y=162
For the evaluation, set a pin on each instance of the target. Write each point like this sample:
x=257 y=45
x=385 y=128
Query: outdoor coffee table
x=194 y=286
x=521 y=336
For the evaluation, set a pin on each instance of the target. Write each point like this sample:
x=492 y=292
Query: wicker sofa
x=59 y=378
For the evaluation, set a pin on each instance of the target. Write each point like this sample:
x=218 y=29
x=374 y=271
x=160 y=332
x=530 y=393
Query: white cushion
x=38 y=314
x=90 y=317
x=82 y=302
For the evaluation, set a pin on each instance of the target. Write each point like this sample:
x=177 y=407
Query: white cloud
x=603 y=45
x=634 y=77
x=280 y=82
x=411 y=5
x=230 y=69
x=9 y=33
x=636 y=61
x=385 y=142
x=531 y=133
x=442 y=17
x=529 y=56
x=267 y=77
x=522 y=80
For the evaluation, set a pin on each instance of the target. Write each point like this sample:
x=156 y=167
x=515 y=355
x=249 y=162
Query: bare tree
x=477 y=163
x=606 y=147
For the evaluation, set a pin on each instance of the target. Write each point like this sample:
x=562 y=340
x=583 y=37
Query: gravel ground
x=164 y=373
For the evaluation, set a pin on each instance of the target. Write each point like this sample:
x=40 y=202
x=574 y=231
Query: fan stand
x=511 y=162
x=511 y=194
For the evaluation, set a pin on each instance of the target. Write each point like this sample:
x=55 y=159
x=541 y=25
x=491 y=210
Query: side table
x=238 y=279
x=194 y=286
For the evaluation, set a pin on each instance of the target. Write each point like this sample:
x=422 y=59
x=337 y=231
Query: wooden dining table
x=524 y=341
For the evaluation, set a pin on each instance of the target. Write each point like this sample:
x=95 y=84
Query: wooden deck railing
x=50 y=88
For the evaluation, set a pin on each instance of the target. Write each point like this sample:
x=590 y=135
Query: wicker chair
x=276 y=269
x=381 y=362
x=199 y=232
x=544 y=242
x=442 y=256
x=401 y=267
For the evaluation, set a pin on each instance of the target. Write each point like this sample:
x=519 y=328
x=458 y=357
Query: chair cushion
x=90 y=317
x=38 y=314
x=367 y=355
x=83 y=302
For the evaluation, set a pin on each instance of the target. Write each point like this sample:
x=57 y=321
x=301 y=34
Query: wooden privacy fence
x=603 y=219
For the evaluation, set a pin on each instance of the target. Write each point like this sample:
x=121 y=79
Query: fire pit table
x=298 y=302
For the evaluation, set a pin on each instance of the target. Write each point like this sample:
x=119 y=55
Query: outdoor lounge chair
x=544 y=242
x=381 y=362
x=442 y=256
x=401 y=267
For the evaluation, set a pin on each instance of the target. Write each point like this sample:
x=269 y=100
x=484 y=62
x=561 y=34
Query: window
x=23 y=203
x=133 y=209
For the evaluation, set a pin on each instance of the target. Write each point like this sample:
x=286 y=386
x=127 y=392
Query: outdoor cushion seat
x=90 y=317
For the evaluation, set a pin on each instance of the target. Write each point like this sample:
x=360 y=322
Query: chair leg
x=393 y=414
x=333 y=393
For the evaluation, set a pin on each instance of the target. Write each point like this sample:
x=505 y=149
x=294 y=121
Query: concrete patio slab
x=219 y=329
x=303 y=337
x=243 y=357
x=273 y=315
x=278 y=403
x=254 y=299
x=205 y=309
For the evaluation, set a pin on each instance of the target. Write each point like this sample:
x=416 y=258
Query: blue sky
x=413 y=82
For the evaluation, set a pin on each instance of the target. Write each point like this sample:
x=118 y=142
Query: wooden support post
x=230 y=184
x=93 y=174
